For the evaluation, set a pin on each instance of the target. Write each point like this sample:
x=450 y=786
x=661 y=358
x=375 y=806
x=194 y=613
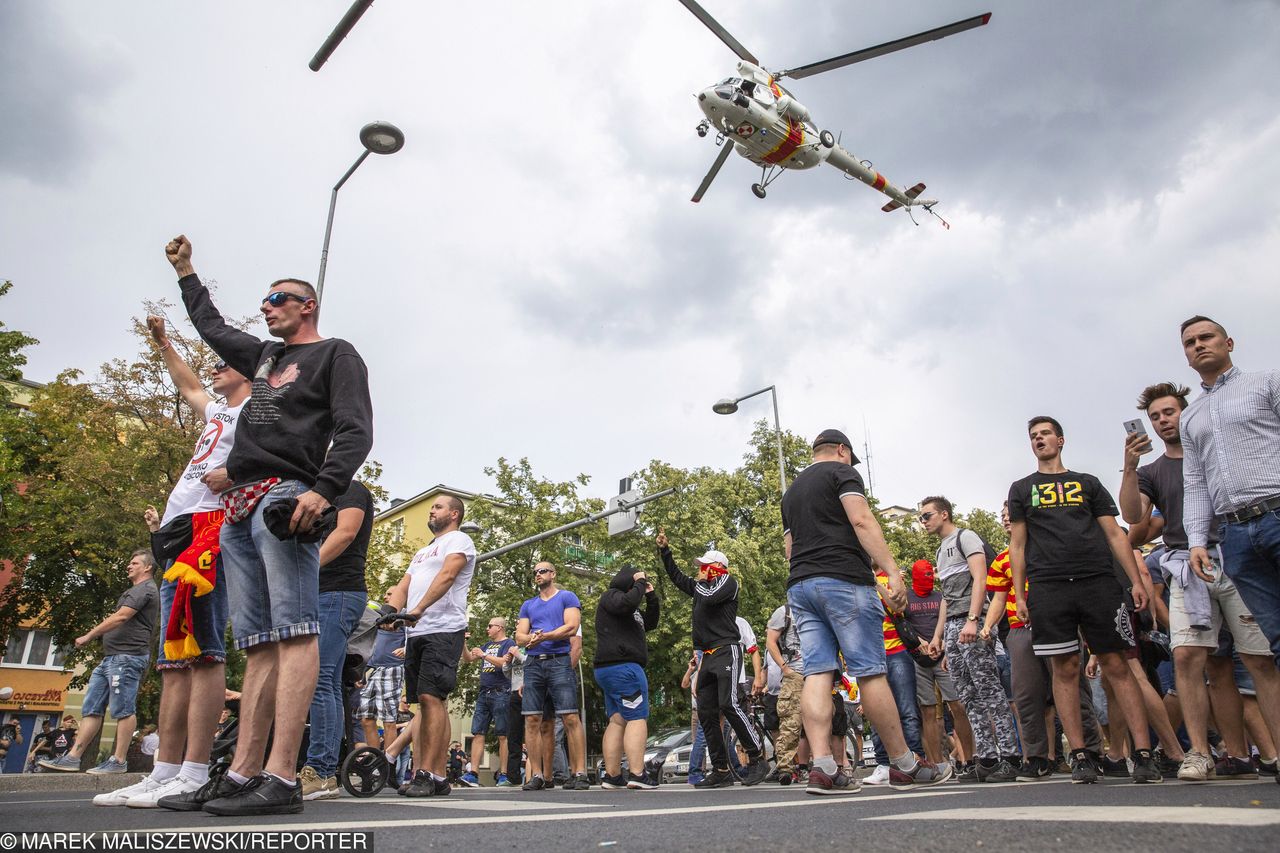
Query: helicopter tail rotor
x=725 y=149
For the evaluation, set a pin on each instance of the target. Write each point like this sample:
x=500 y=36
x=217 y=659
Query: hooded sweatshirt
x=620 y=627
x=715 y=605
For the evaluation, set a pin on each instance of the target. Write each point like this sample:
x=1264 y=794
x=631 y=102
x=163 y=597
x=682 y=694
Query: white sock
x=827 y=764
x=195 y=771
x=163 y=771
x=283 y=781
x=906 y=762
x=236 y=777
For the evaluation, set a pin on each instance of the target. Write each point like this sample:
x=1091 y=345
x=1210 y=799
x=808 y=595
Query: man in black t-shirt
x=1063 y=537
x=343 y=595
x=832 y=538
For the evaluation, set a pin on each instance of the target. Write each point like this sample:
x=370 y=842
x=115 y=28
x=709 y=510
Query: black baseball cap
x=835 y=436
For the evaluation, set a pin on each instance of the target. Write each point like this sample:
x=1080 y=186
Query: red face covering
x=713 y=570
x=922 y=578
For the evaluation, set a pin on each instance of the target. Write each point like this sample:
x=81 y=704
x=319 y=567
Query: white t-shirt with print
x=190 y=494
x=449 y=613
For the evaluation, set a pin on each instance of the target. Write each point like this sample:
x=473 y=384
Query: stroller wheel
x=365 y=772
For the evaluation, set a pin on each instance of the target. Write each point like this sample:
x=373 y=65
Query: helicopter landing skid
x=768 y=174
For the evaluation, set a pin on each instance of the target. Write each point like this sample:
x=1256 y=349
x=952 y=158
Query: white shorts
x=1226 y=609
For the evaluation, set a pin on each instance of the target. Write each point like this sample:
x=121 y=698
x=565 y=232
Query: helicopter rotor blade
x=715 y=168
x=882 y=49
x=712 y=24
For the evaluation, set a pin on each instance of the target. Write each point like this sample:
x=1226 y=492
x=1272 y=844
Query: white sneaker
x=879 y=776
x=119 y=796
x=150 y=799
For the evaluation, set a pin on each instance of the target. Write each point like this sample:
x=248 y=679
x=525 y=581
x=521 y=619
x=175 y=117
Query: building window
x=34 y=648
x=397 y=531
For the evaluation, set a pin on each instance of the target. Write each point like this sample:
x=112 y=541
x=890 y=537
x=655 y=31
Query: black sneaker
x=422 y=785
x=262 y=795
x=1083 y=768
x=579 y=782
x=717 y=779
x=1114 y=768
x=1034 y=769
x=639 y=783
x=193 y=801
x=613 y=783
x=442 y=787
x=786 y=778
x=968 y=772
x=1230 y=767
x=1267 y=768
x=1144 y=768
x=983 y=769
x=534 y=784
x=1004 y=771
x=755 y=772
x=1167 y=766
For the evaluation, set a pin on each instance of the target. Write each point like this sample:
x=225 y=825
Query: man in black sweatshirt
x=306 y=431
x=621 y=655
x=715 y=634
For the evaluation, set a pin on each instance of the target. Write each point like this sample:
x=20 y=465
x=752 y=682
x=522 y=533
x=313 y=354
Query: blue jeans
x=209 y=614
x=339 y=613
x=114 y=682
x=902 y=681
x=273 y=584
x=1251 y=558
x=698 y=755
x=549 y=684
x=836 y=616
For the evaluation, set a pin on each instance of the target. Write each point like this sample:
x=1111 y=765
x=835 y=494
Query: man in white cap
x=715 y=634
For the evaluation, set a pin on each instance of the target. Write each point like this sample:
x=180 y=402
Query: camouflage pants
x=977 y=680
x=789 y=723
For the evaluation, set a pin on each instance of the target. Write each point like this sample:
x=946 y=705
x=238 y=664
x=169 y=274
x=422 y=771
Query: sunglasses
x=280 y=297
x=219 y=367
x=925 y=516
x=543 y=571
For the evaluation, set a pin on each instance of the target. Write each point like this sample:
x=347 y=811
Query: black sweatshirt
x=305 y=396
x=715 y=605
x=620 y=627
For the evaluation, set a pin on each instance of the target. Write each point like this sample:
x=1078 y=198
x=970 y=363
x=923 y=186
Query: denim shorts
x=114 y=683
x=549 y=685
x=836 y=617
x=491 y=707
x=273 y=584
x=209 y=622
x=626 y=691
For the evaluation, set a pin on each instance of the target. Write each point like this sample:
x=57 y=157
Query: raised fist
x=155 y=325
x=178 y=251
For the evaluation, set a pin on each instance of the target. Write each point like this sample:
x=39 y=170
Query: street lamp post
x=729 y=406
x=377 y=137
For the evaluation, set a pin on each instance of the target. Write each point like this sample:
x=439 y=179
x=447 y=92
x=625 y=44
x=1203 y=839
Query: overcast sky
x=528 y=278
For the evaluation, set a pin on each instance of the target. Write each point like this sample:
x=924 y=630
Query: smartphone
x=1135 y=426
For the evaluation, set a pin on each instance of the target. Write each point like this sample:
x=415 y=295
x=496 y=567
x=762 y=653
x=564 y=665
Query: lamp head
x=381 y=137
x=725 y=407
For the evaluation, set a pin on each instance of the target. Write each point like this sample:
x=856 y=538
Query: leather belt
x=1250 y=512
x=549 y=657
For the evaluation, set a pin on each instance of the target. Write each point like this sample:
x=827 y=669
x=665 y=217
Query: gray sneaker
x=63 y=762
x=1004 y=771
x=111 y=765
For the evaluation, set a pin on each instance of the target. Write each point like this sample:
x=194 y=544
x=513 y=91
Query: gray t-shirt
x=953 y=572
x=1161 y=482
x=789 y=640
x=134 y=636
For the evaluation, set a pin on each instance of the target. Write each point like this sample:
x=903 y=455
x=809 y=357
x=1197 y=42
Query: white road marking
x=205 y=827
x=477 y=805
x=1210 y=815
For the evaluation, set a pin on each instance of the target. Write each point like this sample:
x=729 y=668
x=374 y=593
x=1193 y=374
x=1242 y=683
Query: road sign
x=624 y=517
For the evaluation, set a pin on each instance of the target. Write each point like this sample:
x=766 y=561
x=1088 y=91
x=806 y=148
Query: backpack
x=987 y=547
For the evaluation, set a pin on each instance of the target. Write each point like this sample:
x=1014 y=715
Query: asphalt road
x=1053 y=814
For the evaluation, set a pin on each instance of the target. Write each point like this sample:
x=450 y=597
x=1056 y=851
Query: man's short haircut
x=457 y=506
x=1045 y=419
x=307 y=290
x=1163 y=389
x=941 y=503
x=146 y=555
x=1200 y=318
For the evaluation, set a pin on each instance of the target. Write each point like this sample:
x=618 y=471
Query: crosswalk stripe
x=1208 y=815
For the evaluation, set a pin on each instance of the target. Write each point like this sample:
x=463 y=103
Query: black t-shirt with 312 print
x=1064 y=539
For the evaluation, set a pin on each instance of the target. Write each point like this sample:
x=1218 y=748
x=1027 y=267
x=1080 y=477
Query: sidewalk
x=54 y=782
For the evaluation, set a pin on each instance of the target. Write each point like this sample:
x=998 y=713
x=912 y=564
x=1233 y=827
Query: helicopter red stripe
x=788 y=146
x=880 y=182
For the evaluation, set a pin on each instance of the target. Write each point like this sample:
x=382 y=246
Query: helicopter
x=767 y=125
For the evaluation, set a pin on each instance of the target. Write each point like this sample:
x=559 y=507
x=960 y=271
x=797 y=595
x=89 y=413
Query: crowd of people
x=977 y=666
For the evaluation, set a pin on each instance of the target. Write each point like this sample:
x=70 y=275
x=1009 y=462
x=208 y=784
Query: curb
x=54 y=782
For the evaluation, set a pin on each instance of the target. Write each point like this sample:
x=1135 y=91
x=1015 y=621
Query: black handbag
x=911 y=640
x=171 y=540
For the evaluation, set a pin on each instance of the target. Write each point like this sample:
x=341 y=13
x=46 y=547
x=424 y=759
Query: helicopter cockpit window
x=762 y=94
x=726 y=87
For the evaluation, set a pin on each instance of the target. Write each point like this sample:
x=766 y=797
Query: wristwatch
x=973 y=618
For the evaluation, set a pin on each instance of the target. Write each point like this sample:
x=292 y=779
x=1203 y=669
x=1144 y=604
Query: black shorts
x=839 y=716
x=771 y=721
x=431 y=664
x=1062 y=610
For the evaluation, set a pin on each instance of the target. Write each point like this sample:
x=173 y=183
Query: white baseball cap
x=713 y=557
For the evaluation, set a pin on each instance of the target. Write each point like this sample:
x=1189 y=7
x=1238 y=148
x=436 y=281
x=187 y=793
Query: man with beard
x=621 y=655
x=1197 y=610
x=436 y=587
